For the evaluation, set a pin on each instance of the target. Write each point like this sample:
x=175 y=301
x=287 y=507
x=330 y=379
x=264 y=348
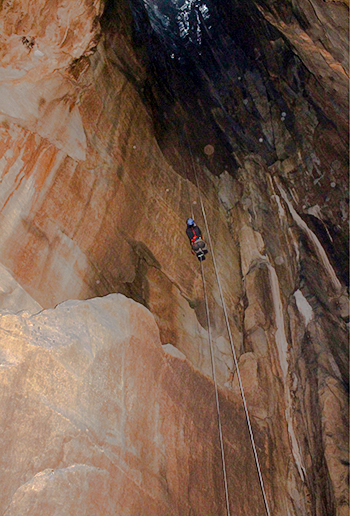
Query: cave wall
x=90 y=204
x=97 y=180
x=268 y=79
x=295 y=335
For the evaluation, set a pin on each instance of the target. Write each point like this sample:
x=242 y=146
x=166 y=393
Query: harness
x=194 y=238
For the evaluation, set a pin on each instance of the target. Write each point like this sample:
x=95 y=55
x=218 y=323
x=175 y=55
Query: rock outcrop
x=97 y=419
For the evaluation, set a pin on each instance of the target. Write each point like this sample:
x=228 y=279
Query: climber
x=195 y=236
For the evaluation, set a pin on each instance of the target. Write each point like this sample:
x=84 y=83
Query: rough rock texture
x=97 y=419
x=13 y=297
x=96 y=181
x=295 y=338
x=89 y=201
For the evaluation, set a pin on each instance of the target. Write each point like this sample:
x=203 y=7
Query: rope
x=230 y=339
x=176 y=98
x=216 y=391
x=189 y=192
x=261 y=481
x=183 y=133
x=222 y=451
x=234 y=353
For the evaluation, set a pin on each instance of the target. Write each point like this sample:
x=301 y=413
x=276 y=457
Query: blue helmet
x=190 y=222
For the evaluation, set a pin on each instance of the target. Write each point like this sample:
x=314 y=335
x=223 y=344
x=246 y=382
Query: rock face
x=290 y=336
x=12 y=296
x=97 y=419
x=102 y=135
x=90 y=205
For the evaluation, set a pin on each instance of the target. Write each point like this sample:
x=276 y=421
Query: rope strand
x=184 y=132
x=222 y=451
x=216 y=391
x=234 y=354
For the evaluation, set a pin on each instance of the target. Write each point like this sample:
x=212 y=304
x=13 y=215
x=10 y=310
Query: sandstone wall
x=93 y=201
x=97 y=419
x=89 y=203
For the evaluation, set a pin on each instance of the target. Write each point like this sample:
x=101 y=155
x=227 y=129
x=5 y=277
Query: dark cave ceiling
x=228 y=67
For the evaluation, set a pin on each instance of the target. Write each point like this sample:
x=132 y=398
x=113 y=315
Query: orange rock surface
x=95 y=188
x=97 y=419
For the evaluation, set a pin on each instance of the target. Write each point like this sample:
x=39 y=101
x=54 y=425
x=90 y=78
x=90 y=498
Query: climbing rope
x=251 y=434
x=188 y=185
x=212 y=359
x=217 y=402
x=211 y=343
x=233 y=350
x=174 y=96
x=216 y=390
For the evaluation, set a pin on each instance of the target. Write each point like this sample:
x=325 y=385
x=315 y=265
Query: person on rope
x=195 y=237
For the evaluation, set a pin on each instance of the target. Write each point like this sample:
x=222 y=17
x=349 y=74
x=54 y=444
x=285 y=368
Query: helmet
x=190 y=222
